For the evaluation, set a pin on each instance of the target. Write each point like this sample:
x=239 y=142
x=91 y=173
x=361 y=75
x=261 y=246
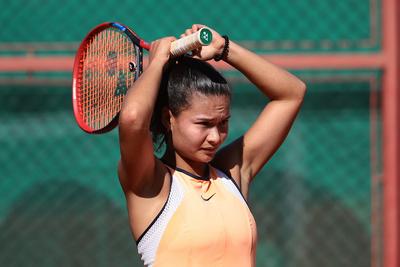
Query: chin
x=202 y=158
x=208 y=158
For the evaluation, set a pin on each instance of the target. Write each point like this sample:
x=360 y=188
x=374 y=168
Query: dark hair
x=181 y=78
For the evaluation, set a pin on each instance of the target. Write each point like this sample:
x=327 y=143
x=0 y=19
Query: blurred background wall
x=318 y=202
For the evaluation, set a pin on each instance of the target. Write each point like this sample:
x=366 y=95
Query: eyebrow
x=210 y=118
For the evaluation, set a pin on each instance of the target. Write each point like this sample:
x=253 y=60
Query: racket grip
x=191 y=42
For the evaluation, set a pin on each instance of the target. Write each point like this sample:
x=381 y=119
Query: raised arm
x=138 y=166
x=245 y=157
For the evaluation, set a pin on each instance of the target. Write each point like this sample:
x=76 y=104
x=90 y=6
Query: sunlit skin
x=198 y=131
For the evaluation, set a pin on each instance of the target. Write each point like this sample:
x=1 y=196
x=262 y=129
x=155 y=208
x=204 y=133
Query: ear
x=166 y=116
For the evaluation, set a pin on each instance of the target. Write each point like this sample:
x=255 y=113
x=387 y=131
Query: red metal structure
x=391 y=130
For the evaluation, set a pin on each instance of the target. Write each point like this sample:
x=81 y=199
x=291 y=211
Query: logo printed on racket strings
x=111 y=63
x=121 y=84
x=111 y=67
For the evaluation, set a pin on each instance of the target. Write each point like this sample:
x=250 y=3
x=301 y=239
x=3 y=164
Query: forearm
x=273 y=81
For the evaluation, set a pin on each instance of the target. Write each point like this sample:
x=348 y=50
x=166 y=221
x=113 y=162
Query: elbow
x=131 y=118
x=128 y=115
x=301 y=90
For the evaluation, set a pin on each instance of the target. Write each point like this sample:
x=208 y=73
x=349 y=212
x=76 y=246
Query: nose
x=214 y=136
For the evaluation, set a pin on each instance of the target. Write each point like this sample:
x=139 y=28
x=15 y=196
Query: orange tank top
x=204 y=222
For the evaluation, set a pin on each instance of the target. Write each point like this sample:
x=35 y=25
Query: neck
x=173 y=159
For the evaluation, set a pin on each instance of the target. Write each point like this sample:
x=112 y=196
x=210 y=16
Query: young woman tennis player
x=189 y=207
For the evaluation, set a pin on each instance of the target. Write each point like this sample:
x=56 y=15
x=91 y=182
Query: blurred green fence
x=316 y=202
x=264 y=26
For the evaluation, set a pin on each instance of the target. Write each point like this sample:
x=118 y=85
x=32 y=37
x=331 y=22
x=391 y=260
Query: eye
x=205 y=124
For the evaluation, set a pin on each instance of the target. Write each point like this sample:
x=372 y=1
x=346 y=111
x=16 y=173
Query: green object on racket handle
x=193 y=41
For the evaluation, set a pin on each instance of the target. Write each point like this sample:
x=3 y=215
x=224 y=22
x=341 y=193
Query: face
x=199 y=130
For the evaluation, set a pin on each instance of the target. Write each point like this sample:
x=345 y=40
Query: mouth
x=210 y=150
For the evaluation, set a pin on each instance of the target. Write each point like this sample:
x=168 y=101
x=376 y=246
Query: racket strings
x=105 y=77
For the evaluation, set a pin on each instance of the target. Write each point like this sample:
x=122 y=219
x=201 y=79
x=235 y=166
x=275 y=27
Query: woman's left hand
x=210 y=51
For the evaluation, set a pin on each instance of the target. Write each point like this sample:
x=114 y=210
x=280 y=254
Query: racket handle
x=191 y=42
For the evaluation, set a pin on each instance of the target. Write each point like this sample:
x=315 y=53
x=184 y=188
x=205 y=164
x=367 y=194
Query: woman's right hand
x=160 y=50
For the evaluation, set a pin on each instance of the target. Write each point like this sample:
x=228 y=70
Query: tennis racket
x=107 y=63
